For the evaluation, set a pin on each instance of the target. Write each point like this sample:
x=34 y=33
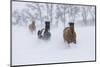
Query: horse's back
x=32 y=27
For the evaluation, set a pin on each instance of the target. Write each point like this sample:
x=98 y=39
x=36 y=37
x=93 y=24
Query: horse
x=32 y=27
x=45 y=32
x=69 y=34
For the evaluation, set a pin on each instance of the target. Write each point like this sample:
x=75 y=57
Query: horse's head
x=33 y=22
x=71 y=24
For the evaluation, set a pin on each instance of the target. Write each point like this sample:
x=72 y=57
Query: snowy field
x=28 y=49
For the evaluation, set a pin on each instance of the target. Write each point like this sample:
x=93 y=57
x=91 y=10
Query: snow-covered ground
x=28 y=49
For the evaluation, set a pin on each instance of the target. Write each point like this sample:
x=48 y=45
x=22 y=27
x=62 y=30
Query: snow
x=28 y=49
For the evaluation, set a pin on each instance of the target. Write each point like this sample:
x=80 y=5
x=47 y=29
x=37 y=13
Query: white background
x=5 y=33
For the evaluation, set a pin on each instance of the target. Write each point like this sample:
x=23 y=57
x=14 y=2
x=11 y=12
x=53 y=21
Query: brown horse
x=32 y=27
x=69 y=34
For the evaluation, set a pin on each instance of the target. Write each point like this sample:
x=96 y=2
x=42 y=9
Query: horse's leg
x=74 y=41
x=68 y=43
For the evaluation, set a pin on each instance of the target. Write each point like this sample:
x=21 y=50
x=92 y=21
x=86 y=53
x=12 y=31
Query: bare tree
x=64 y=10
x=47 y=6
x=15 y=17
x=92 y=12
x=64 y=14
x=38 y=14
x=39 y=9
x=51 y=16
x=59 y=14
x=26 y=16
x=85 y=13
x=73 y=12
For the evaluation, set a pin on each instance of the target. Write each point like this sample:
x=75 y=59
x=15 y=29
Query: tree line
x=55 y=13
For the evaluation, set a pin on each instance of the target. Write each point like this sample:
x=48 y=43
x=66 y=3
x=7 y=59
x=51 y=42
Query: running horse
x=32 y=27
x=45 y=32
x=69 y=34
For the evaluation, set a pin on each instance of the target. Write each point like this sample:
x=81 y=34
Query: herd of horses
x=69 y=34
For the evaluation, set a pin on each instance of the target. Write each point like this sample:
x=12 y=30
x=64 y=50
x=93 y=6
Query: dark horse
x=45 y=32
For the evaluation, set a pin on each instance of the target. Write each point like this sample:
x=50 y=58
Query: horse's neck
x=72 y=29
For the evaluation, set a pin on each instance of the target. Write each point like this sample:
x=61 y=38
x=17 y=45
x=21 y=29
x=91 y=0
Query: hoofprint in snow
x=28 y=49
